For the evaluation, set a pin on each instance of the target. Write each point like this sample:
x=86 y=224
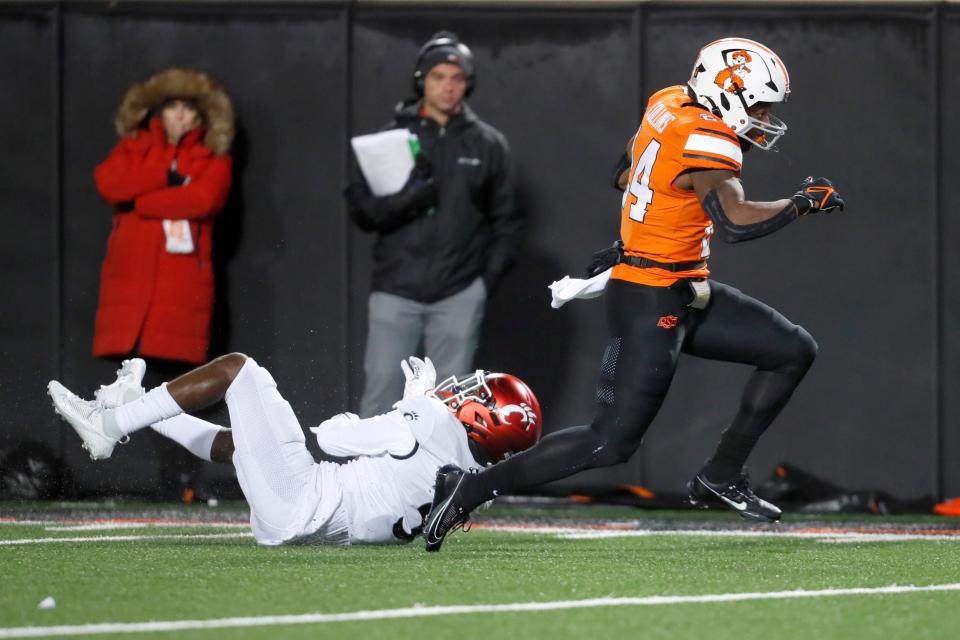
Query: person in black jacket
x=446 y=238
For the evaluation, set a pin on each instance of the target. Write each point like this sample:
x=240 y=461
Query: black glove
x=603 y=260
x=175 y=179
x=422 y=169
x=387 y=213
x=419 y=192
x=815 y=195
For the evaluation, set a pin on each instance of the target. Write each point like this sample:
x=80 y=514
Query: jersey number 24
x=639 y=195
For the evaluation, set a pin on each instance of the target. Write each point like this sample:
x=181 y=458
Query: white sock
x=191 y=433
x=153 y=406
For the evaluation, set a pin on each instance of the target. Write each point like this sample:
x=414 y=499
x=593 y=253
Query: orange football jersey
x=658 y=220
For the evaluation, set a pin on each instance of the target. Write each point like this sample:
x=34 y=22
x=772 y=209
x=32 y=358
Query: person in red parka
x=167 y=179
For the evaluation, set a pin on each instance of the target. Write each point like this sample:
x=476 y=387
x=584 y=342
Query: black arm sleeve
x=622 y=165
x=730 y=232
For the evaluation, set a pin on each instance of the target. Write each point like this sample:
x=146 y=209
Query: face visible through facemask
x=761 y=112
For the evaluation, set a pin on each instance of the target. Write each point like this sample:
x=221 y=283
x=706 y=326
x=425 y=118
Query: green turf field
x=196 y=564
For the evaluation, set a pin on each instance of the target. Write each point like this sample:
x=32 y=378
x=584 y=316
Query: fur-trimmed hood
x=145 y=99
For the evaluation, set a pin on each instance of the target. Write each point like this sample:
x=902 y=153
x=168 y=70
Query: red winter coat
x=160 y=299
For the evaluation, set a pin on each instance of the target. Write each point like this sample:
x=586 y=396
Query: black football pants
x=650 y=327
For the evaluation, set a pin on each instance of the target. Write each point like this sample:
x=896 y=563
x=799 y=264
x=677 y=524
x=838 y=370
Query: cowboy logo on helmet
x=730 y=79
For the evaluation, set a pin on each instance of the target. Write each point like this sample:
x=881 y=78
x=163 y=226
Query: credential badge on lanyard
x=179 y=239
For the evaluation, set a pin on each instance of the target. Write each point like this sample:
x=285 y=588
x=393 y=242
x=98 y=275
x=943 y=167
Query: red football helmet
x=499 y=411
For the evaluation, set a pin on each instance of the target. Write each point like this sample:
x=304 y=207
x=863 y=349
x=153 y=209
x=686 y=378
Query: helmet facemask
x=454 y=392
x=763 y=134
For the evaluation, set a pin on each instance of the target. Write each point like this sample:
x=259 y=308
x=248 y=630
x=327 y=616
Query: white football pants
x=292 y=498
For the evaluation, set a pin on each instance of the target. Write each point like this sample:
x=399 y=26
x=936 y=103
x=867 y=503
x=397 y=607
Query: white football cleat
x=126 y=388
x=86 y=418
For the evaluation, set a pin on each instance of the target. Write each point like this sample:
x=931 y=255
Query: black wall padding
x=872 y=108
x=30 y=244
x=946 y=275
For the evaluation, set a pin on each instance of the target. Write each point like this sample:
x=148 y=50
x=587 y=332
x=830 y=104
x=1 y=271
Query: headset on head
x=445 y=39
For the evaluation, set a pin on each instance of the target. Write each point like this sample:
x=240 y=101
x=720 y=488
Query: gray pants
x=449 y=328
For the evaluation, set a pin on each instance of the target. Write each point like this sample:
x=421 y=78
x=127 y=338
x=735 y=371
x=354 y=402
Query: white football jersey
x=388 y=487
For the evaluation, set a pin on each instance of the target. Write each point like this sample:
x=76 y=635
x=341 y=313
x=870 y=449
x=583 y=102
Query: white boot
x=126 y=388
x=86 y=418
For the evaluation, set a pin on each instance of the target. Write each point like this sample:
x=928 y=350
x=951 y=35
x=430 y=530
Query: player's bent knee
x=805 y=349
x=794 y=352
x=615 y=451
x=230 y=364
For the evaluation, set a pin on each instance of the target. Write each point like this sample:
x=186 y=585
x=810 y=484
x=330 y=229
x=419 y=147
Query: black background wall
x=876 y=285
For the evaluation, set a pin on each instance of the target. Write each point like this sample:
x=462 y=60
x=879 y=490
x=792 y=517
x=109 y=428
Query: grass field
x=589 y=572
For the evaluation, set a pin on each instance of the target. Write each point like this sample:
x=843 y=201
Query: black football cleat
x=734 y=494
x=446 y=512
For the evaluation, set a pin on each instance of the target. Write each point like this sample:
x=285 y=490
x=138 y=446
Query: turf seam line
x=425 y=611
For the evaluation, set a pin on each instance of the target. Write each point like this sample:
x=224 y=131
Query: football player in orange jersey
x=681 y=187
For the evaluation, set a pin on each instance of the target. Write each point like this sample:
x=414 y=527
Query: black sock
x=728 y=460
x=765 y=395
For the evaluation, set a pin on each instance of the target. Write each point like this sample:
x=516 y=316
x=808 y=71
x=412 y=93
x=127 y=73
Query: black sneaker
x=446 y=513
x=735 y=494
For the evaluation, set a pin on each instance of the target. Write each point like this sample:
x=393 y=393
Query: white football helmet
x=733 y=74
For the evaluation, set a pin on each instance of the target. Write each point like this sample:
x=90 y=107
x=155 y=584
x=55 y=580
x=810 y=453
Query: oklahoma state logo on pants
x=667 y=322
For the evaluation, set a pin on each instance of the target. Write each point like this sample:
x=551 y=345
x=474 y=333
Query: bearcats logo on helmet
x=527 y=414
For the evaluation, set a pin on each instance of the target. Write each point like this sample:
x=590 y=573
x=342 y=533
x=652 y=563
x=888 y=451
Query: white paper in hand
x=385 y=159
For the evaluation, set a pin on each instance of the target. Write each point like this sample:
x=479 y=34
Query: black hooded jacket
x=474 y=230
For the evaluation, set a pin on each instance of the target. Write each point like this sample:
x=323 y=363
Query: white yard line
x=839 y=536
x=163 y=536
x=423 y=612
x=564 y=532
x=108 y=526
x=126 y=523
x=576 y=533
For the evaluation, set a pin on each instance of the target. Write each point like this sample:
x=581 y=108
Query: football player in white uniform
x=379 y=496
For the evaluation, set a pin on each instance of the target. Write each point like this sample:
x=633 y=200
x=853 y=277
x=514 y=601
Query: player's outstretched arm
x=737 y=219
